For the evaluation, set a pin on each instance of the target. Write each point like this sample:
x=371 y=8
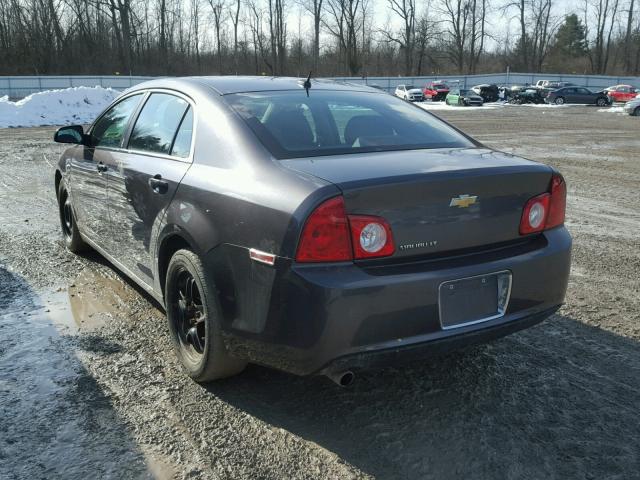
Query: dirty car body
x=341 y=227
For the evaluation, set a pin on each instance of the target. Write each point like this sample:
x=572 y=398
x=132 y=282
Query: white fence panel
x=21 y=86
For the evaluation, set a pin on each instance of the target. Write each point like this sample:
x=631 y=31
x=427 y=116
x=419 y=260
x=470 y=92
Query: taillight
x=330 y=235
x=557 y=202
x=534 y=215
x=371 y=237
x=546 y=210
x=325 y=237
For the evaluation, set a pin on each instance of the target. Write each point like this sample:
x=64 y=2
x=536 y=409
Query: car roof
x=224 y=85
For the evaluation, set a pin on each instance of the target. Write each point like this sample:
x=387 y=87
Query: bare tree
x=406 y=38
x=605 y=12
x=315 y=8
x=218 y=6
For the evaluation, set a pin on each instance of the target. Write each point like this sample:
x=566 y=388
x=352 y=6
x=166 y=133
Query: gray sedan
x=311 y=226
x=578 y=95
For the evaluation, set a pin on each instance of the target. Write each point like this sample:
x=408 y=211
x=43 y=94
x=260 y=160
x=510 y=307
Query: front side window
x=157 y=124
x=109 y=129
x=290 y=124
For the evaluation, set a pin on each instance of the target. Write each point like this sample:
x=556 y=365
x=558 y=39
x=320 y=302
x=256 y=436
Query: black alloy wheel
x=67 y=216
x=191 y=326
x=194 y=317
x=70 y=231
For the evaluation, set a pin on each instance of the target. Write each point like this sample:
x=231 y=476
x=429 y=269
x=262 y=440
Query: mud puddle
x=56 y=420
x=87 y=303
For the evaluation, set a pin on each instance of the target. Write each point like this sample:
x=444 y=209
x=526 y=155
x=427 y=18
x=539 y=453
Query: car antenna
x=307 y=83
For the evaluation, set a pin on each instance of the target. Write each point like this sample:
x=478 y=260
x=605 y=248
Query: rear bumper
x=434 y=348
x=328 y=317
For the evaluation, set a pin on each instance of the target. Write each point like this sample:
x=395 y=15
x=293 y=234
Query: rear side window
x=291 y=124
x=182 y=143
x=157 y=124
x=109 y=129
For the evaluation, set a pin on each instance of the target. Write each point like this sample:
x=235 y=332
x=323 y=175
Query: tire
x=636 y=112
x=194 y=314
x=602 y=102
x=70 y=230
x=559 y=101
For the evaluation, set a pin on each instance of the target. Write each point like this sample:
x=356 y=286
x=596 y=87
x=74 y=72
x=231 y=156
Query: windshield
x=467 y=92
x=290 y=124
x=409 y=87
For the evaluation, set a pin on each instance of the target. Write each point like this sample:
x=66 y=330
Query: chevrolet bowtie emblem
x=463 y=201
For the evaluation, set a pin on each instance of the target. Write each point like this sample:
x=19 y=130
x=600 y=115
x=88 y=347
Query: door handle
x=101 y=167
x=158 y=185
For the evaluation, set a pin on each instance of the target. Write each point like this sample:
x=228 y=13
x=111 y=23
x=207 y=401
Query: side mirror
x=71 y=134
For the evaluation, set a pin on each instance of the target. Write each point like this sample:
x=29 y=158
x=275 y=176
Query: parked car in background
x=436 y=91
x=463 y=97
x=527 y=95
x=409 y=93
x=578 y=95
x=489 y=93
x=329 y=230
x=621 y=93
x=632 y=107
x=552 y=84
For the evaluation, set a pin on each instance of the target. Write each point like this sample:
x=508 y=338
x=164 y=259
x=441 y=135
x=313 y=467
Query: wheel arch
x=167 y=248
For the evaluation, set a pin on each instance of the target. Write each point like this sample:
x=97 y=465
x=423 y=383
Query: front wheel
x=194 y=317
x=559 y=101
x=70 y=232
x=601 y=102
x=636 y=112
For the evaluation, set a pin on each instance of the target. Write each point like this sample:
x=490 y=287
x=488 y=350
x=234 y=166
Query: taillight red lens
x=547 y=210
x=558 y=202
x=325 y=237
x=371 y=237
x=534 y=215
x=329 y=235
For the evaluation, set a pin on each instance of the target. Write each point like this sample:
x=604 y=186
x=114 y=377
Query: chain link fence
x=20 y=86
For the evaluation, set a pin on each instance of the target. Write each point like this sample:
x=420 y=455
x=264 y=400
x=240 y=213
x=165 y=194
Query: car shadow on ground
x=556 y=401
x=56 y=421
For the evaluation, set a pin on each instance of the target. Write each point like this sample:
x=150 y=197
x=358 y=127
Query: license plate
x=470 y=300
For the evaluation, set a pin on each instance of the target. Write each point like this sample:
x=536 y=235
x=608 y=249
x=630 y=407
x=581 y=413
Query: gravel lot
x=89 y=387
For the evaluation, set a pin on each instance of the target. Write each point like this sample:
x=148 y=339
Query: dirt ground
x=89 y=387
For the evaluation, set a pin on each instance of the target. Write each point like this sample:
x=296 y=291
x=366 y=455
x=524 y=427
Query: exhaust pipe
x=343 y=378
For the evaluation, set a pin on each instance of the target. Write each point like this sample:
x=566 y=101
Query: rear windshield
x=290 y=124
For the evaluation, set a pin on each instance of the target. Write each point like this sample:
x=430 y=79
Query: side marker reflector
x=262 y=257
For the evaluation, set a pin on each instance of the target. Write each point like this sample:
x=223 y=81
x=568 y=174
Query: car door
x=88 y=183
x=144 y=179
x=584 y=96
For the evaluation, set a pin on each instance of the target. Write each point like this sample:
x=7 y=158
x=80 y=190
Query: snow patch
x=444 y=106
x=612 y=110
x=77 y=105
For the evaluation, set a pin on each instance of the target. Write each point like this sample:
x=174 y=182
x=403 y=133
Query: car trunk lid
x=436 y=201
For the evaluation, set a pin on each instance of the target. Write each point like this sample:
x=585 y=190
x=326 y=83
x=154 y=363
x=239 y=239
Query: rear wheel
x=70 y=232
x=559 y=101
x=194 y=318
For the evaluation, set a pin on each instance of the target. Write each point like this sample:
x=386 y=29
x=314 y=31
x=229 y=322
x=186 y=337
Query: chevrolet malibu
x=311 y=226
